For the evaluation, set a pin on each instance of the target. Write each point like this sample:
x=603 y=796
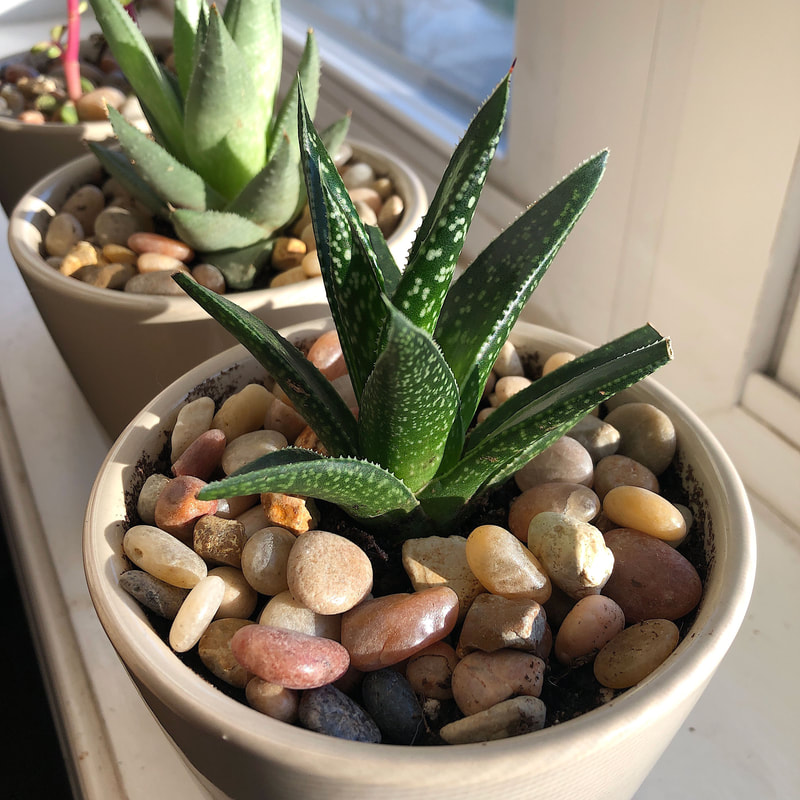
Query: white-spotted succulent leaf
x=418 y=385
x=222 y=144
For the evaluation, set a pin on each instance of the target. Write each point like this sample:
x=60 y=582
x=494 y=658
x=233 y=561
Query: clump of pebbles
x=570 y=587
x=103 y=237
x=33 y=88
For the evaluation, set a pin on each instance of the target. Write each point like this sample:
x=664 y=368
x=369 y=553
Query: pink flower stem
x=72 y=69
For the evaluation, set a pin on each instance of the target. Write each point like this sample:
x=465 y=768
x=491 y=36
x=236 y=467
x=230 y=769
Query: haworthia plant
x=419 y=350
x=223 y=165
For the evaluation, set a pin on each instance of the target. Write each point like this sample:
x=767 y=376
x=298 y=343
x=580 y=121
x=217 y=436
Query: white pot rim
x=687 y=670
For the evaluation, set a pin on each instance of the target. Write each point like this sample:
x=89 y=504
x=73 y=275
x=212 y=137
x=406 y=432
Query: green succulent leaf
x=440 y=238
x=242 y=266
x=353 y=283
x=362 y=489
x=184 y=31
x=224 y=130
x=142 y=71
x=173 y=182
x=255 y=26
x=118 y=166
x=309 y=390
x=534 y=418
x=485 y=302
x=215 y=230
x=272 y=197
x=409 y=403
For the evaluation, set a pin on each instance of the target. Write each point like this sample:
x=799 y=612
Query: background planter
x=123 y=348
x=604 y=754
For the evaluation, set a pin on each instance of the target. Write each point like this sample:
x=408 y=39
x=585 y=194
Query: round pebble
x=591 y=623
x=155 y=283
x=214 y=649
x=145 y=242
x=240 y=598
x=203 y=456
x=326 y=355
x=650 y=579
x=616 y=470
x=389 y=699
x=209 y=276
x=244 y=411
x=328 y=573
x=273 y=700
x=573 y=499
x=92 y=106
x=250 y=446
x=159 y=597
x=283 y=611
x=193 y=419
x=218 y=540
x=158 y=262
x=635 y=652
x=163 y=556
x=178 y=509
x=265 y=557
x=430 y=672
x=598 y=437
x=647 y=434
x=289 y=658
x=115 y=225
x=196 y=613
x=328 y=710
x=565 y=460
x=646 y=511
x=146 y=502
x=504 y=566
x=85 y=204
x=63 y=233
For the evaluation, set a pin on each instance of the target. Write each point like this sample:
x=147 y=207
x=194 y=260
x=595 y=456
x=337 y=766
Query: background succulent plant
x=419 y=350
x=225 y=164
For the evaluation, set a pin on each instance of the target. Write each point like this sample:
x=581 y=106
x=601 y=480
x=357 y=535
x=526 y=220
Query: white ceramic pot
x=604 y=754
x=124 y=348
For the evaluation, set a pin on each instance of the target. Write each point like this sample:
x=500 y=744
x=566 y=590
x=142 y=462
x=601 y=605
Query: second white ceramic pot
x=123 y=348
x=604 y=754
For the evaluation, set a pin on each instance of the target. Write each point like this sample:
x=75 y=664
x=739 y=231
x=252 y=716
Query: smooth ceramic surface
x=122 y=348
x=603 y=755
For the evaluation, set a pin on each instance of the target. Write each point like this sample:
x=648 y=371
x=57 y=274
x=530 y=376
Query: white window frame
x=692 y=228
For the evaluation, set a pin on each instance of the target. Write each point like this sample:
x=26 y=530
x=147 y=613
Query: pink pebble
x=202 y=457
x=178 y=509
x=287 y=658
x=143 y=242
x=326 y=355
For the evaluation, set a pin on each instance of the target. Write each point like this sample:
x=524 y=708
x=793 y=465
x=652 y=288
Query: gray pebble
x=159 y=597
x=114 y=225
x=154 y=283
x=647 y=434
x=85 y=204
x=329 y=711
x=392 y=703
x=63 y=233
x=597 y=436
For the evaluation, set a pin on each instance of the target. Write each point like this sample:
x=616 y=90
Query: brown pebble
x=296 y=514
x=144 y=242
x=573 y=499
x=203 y=456
x=219 y=541
x=178 y=509
x=494 y=622
x=214 y=649
x=617 y=470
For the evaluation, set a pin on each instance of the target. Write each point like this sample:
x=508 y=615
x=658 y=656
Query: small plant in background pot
x=224 y=169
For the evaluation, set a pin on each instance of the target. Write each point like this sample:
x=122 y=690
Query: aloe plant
x=224 y=168
x=419 y=350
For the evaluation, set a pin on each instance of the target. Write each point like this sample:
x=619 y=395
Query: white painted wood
x=774 y=405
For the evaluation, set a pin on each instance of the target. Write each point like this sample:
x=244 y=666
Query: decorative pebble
x=240 y=598
x=178 y=509
x=494 y=622
x=155 y=283
x=244 y=411
x=63 y=233
x=146 y=502
x=646 y=511
x=617 y=470
x=598 y=437
x=85 y=204
x=197 y=611
x=328 y=573
x=430 y=671
x=119 y=254
x=219 y=541
x=283 y=418
x=115 y=225
x=591 y=623
x=647 y=434
x=508 y=361
x=329 y=711
x=214 y=649
x=481 y=680
x=635 y=652
x=105 y=276
x=92 y=106
x=264 y=560
x=283 y=611
x=557 y=360
x=82 y=254
x=389 y=699
x=357 y=175
x=296 y=514
x=442 y=561
x=510 y=718
x=565 y=460
x=326 y=355
x=390 y=214
x=504 y=566
x=386 y=630
x=573 y=553
x=209 y=276
x=203 y=456
x=159 y=597
x=157 y=262
x=193 y=419
x=650 y=579
x=273 y=700
x=289 y=658
x=506 y=387
x=145 y=242
x=287 y=253
x=163 y=556
x=573 y=499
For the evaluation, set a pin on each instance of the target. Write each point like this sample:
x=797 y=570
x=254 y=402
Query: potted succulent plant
x=412 y=462
x=221 y=174
x=52 y=100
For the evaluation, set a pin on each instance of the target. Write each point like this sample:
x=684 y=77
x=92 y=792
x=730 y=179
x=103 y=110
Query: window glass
x=452 y=52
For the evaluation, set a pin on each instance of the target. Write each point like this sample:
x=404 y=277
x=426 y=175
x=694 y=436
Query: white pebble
x=196 y=613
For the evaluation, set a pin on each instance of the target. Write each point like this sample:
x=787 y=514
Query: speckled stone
x=178 y=509
x=389 y=699
x=573 y=499
x=430 y=672
x=214 y=649
x=159 y=597
x=219 y=541
x=328 y=710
